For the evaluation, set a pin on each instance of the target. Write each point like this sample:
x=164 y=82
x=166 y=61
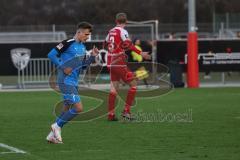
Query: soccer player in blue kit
x=70 y=58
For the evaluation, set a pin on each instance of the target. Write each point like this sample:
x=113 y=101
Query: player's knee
x=113 y=93
x=133 y=89
x=133 y=83
x=114 y=90
x=79 y=107
x=129 y=77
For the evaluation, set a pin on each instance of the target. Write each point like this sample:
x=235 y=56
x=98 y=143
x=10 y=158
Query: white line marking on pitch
x=13 y=149
x=6 y=152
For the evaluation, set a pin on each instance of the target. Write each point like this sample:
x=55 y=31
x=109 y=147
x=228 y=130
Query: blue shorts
x=70 y=94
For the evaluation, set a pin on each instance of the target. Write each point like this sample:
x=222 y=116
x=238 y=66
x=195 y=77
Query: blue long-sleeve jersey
x=70 y=53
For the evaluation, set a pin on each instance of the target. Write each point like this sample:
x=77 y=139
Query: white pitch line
x=15 y=150
x=6 y=152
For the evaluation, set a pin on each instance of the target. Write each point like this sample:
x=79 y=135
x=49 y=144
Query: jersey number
x=111 y=44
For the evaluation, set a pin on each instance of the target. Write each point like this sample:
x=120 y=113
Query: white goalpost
x=146 y=30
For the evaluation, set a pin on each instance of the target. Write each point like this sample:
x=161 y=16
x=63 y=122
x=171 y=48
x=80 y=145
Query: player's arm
x=128 y=45
x=53 y=56
x=91 y=59
x=55 y=53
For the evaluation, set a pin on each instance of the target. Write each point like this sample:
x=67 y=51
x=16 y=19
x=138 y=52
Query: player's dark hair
x=135 y=40
x=121 y=18
x=85 y=25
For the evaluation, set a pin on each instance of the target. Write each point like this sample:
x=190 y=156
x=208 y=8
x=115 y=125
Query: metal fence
x=36 y=72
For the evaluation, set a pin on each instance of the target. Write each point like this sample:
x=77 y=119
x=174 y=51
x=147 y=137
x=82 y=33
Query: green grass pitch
x=212 y=133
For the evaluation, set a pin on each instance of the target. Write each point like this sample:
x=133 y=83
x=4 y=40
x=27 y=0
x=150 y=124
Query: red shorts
x=118 y=73
x=118 y=69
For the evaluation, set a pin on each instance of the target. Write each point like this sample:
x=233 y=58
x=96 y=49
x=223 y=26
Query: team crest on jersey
x=20 y=57
x=59 y=46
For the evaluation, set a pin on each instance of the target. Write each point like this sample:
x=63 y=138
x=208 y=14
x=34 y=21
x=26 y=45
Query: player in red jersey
x=117 y=42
